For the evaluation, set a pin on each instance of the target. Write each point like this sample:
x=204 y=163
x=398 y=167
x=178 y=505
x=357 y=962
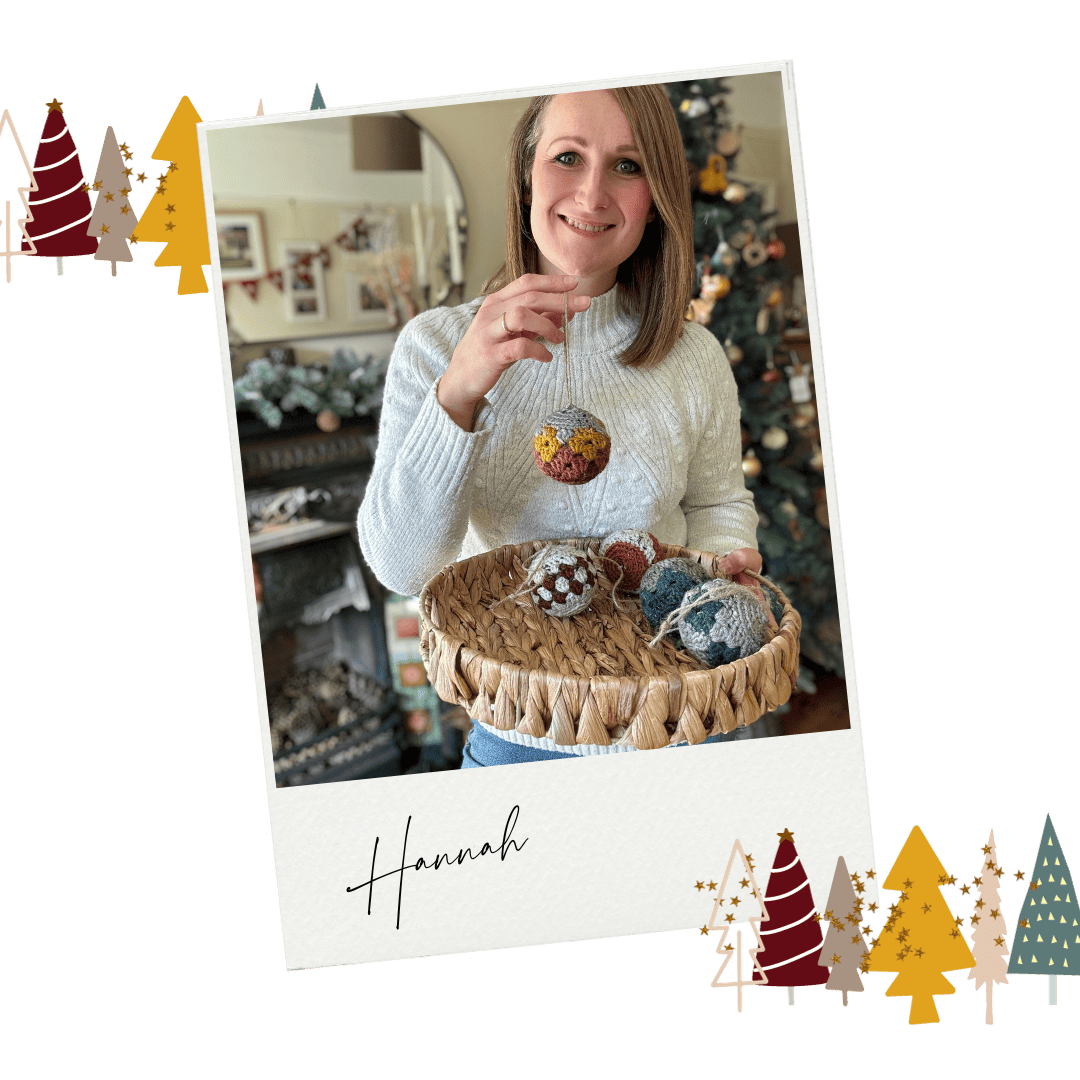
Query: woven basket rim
x=666 y=707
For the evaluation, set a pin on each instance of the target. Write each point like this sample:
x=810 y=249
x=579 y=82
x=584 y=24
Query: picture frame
x=241 y=237
x=303 y=281
x=367 y=304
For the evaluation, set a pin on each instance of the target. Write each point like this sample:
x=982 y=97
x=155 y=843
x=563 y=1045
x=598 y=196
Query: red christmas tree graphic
x=61 y=204
x=791 y=934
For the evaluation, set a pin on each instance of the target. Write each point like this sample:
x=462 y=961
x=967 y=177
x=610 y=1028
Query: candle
x=418 y=244
x=456 y=275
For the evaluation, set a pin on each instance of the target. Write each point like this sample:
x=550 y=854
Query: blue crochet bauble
x=720 y=631
x=664 y=584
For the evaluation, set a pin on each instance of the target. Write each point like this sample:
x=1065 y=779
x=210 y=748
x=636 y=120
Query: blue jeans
x=483 y=748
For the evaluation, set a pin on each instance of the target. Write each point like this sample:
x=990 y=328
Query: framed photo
x=367 y=303
x=611 y=773
x=303 y=282
x=241 y=238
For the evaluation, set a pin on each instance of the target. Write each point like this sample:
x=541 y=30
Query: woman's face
x=590 y=201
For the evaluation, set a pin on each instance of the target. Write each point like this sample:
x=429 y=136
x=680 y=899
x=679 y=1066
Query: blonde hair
x=655 y=283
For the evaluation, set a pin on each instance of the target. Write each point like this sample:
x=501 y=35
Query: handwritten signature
x=422 y=864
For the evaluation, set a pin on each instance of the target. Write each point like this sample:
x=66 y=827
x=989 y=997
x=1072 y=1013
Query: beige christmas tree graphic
x=15 y=233
x=176 y=213
x=113 y=220
x=844 y=951
x=728 y=915
x=988 y=938
x=921 y=939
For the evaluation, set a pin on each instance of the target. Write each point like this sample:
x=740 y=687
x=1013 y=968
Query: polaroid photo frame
x=408 y=865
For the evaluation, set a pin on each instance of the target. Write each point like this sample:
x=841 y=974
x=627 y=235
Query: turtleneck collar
x=603 y=328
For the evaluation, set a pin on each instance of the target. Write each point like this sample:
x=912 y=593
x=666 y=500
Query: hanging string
x=566 y=346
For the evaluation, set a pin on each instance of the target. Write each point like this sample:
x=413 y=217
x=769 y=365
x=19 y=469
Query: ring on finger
x=506 y=330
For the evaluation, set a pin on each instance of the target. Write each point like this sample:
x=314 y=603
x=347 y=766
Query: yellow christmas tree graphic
x=921 y=938
x=176 y=214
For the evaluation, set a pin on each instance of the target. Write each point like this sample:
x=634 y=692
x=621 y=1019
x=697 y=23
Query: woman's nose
x=592 y=189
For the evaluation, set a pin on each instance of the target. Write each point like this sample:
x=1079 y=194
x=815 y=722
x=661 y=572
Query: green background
x=143 y=933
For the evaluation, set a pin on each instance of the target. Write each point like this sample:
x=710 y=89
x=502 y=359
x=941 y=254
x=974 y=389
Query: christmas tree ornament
x=664 y=585
x=694 y=107
x=804 y=415
x=799 y=380
x=571 y=445
x=60 y=206
x=754 y=253
x=328 y=420
x=741 y=237
x=776 y=248
x=770 y=375
x=715 y=286
x=735 y=192
x=632 y=551
x=726 y=256
x=562 y=580
x=700 y=311
x=734 y=352
x=712 y=179
x=751 y=464
x=718 y=621
x=774 y=296
x=817 y=460
x=774 y=438
x=761 y=323
x=821 y=513
x=729 y=142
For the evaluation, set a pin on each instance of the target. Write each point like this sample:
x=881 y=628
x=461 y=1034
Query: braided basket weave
x=591 y=678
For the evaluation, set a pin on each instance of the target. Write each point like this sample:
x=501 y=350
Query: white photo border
x=605 y=846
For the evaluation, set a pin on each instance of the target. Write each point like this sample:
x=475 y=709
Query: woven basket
x=590 y=678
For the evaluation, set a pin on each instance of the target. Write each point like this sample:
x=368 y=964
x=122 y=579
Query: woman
x=599 y=212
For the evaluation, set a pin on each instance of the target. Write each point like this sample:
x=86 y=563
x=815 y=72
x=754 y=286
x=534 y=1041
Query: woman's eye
x=629 y=167
x=567 y=157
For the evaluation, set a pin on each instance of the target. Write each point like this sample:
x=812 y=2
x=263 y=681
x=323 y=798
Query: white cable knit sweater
x=438 y=494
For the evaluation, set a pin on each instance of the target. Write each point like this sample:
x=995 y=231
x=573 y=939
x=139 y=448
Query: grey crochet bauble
x=720 y=631
x=664 y=584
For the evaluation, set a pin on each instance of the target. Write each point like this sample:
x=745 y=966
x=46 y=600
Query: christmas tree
x=113 y=220
x=988 y=938
x=747 y=971
x=1050 y=922
x=176 y=214
x=923 y=939
x=61 y=204
x=11 y=153
x=740 y=297
x=791 y=934
x=844 y=947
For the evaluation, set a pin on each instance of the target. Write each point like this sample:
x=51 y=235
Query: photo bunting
x=535 y=463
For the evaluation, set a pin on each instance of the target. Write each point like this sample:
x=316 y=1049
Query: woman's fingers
x=523 y=320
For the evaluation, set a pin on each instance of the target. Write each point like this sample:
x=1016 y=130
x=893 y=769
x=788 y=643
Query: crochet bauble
x=664 y=584
x=632 y=551
x=719 y=631
x=571 y=446
x=563 y=582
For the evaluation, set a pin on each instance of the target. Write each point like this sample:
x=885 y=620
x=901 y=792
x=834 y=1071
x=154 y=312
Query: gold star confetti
x=943 y=880
x=816 y=917
x=854 y=877
x=952 y=880
x=900 y=955
x=859 y=887
x=173 y=166
x=97 y=185
x=141 y=177
x=974 y=920
x=978 y=883
x=875 y=943
x=959 y=920
x=870 y=874
x=1033 y=886
x=989 y=866
x=699 y=886
x=729 y=917
x=902 y=936
x=124 y=148
x=169 y=226
x=998 y=871
x=161 y=189
x=829 y=915
x=163 y=177
x=735 y=900
x=919 y=952
x=1024 y=923
x=872 y=907
x=125 y=209
x=903 y=896
x=729 y=948
x=170 y=209
x=986 y=849
x=125 y=191
x=128 y=172
x=133 y=238
x=954 y=933
x=104 y=229
x=994 y=913
x=108 y=196
x=744 y=883
x=999 y=941
x=835 y=959
x=908 y=883
x=965 y=889
x=54 y=105
x=705 y=931
x=1019 y=875
x=855 y=940
x=865 y=929
x=712 y=885
x=926 y=908
x=980 y=903
x=85 y=187
x=127 y=155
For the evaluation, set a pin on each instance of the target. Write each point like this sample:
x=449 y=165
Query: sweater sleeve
x=415 y=511
x=720 y=514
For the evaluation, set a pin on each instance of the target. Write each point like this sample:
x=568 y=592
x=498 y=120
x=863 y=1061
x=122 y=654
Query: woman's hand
x=503 y=332
x=733 y=565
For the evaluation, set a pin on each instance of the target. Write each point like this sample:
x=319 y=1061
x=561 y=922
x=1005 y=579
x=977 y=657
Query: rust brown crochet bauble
x=571 y=446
